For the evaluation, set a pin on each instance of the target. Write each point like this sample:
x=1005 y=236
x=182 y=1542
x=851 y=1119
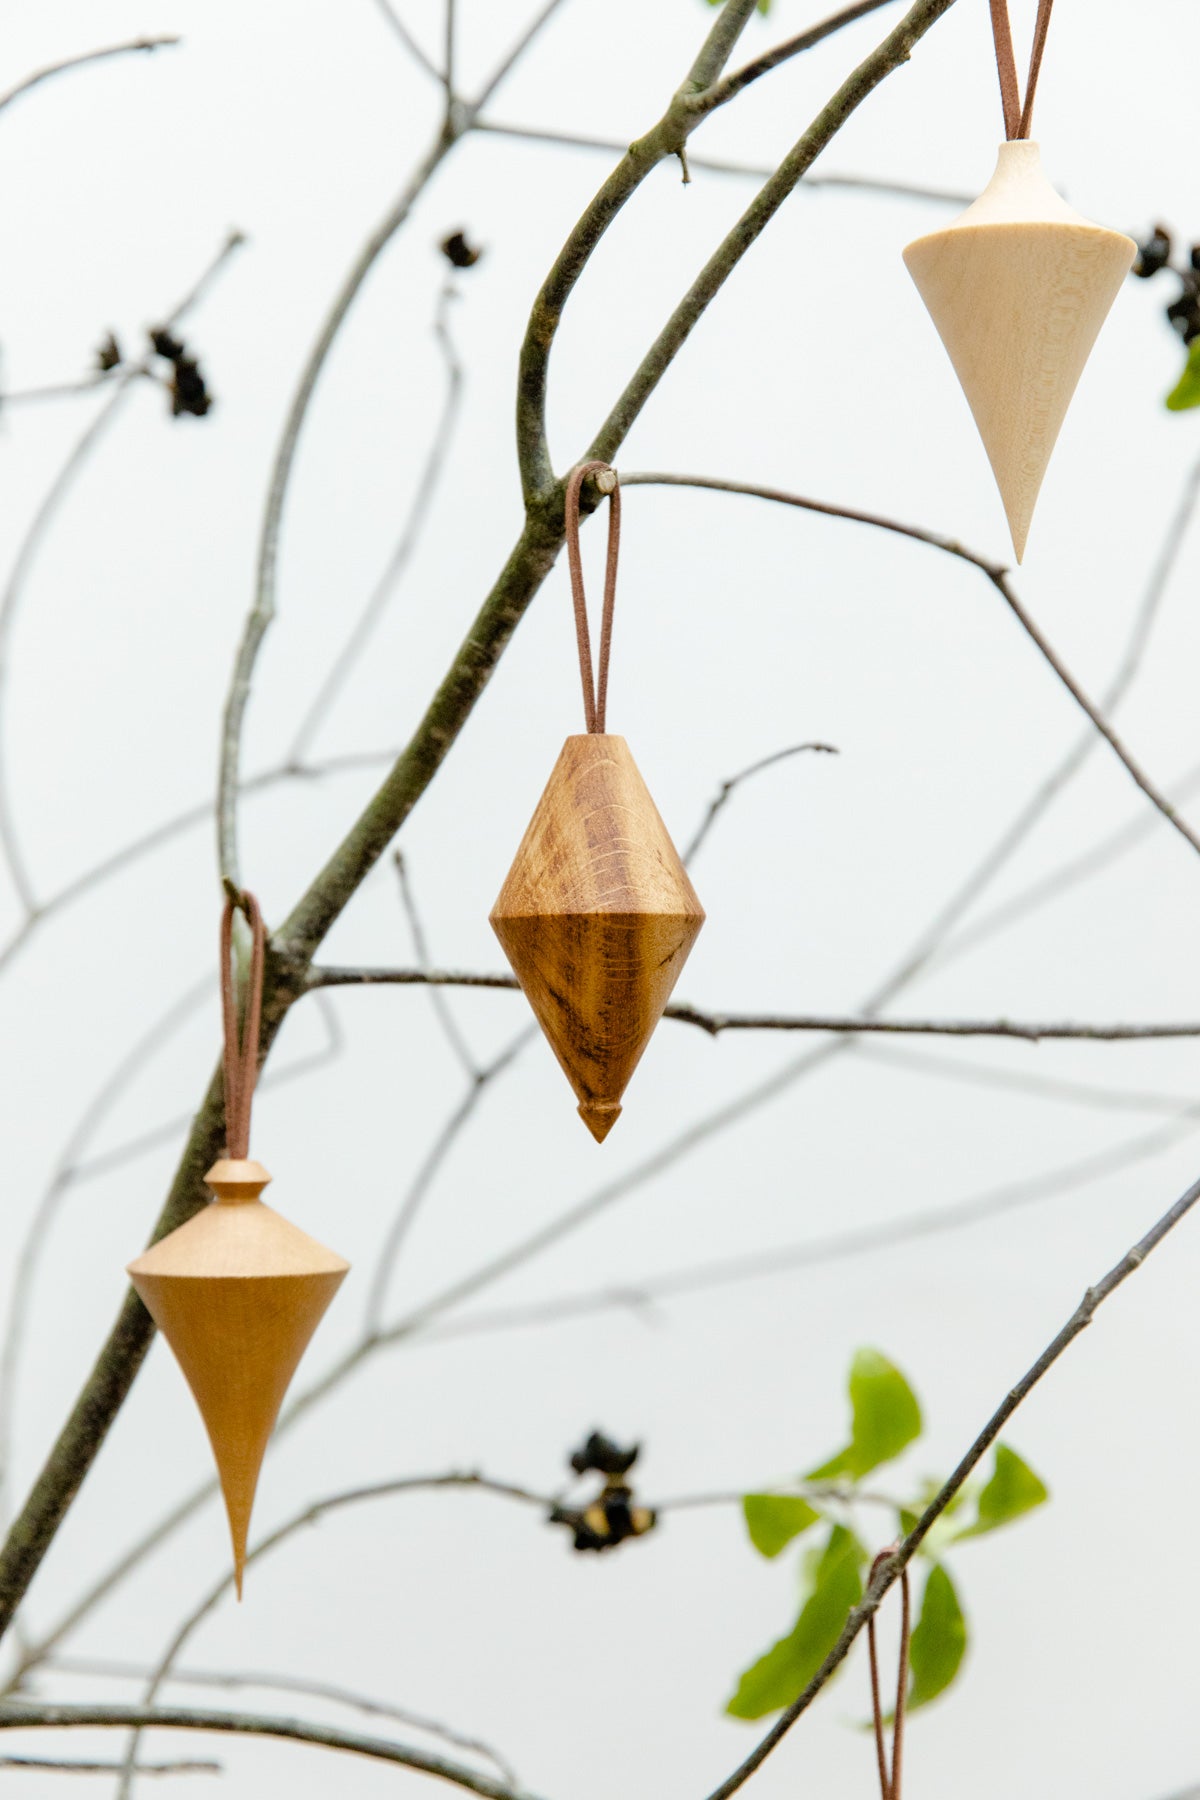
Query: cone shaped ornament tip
x=237 y=1292
x=597 y=917
x=1018 y=287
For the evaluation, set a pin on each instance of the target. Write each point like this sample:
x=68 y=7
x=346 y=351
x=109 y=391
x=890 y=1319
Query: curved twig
x=77 y=62
x=890 y=1571
x=49 y=1715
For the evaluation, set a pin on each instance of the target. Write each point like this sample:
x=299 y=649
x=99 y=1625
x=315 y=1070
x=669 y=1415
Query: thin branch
x=290 y=1684
x=1101 y=1098
x=77 y=62
x=448 y=56
x=461 y=1050
x=752 y=171
x=513 y=56
x=53 y=1766
x=262 y=610
x=301 y=1521
x=637 y=1295
x=408 y=40
x=891 y=54
x=723 y=91
x=414 y=523
x=143 y=1050
x=32 y=1716
x=995 y=572
x=890 y=1571
x=31 y=544
x=427 y=1172
x=868 y=184
x=726 y=788
x=715 y=1023
x=158 y=835
x=1063 y=877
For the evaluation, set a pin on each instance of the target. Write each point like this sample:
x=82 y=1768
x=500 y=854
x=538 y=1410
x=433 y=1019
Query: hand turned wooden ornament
x=597 y=915
x=238 y=1292
x=1018 y=287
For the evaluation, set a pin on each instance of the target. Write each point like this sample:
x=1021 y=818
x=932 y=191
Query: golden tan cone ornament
x=237 y=1291
x=1018 y=287
x=597 y=915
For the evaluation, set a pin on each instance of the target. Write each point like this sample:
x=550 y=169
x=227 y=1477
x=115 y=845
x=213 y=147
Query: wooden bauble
x=1018 y=287
x=597 y=917
x=238 y=1292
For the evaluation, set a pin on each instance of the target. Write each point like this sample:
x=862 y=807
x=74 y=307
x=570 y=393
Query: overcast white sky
x=741 y=628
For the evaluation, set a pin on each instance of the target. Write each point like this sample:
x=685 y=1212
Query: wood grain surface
x=597 y=918
x=238 y=1292
x=1018 y=287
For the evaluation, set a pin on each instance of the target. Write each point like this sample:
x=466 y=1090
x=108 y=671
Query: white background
x=741 y=628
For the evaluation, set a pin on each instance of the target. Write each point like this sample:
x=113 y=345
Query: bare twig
x=54 y=1766
x=35 y=536
x=723 y=91
x=49 y=1715
x=637 y=1294
x=716 y=1023
x=290 y=1684
x=77 y=62
x=408 y=40
x=158 y=835
x=891 y=1570
x=995 y=572
x=458 y=1044
x=418 y=513
x=423 y=1180
x=867 y=184
x=301 y=1521
x=726 y=788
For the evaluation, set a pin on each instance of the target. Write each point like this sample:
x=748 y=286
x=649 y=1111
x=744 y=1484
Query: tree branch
x=48 y=1715
x=723 y=91
x=77 y=62
x=890 y=1571
x=301 y=934
x=714 y=1023
x=868 y=184
x=891 y=54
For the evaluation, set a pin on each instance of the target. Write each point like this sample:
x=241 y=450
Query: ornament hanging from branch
x=1018 y=287
x=237 y=1291
x=597 y=915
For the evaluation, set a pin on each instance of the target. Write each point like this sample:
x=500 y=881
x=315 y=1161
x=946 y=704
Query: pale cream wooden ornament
x=1018 y=287
x=238 y=1292
x=597 y=917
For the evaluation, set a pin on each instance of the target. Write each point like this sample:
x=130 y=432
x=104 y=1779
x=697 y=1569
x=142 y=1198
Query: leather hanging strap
x=1018 y=118
x=889 y=1779
x=595 y=686
x=241 y=1048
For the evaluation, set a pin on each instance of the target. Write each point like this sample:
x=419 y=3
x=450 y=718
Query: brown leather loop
x=1018 y=118
x=241 y=1050
x=595 y=688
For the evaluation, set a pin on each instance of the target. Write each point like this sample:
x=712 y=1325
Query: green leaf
x=773 y=1520
x=785 y=1671
x=1186 y=392
x=1013 y=1489
x=939 y=1641
x=885 y=1418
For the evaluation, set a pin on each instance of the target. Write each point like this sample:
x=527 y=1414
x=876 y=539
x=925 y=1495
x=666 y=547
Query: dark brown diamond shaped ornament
x=597 y=915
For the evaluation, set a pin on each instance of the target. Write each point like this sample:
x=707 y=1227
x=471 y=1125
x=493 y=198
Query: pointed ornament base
x=238 y=1292
x=597 y=918
x=1018 y=287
